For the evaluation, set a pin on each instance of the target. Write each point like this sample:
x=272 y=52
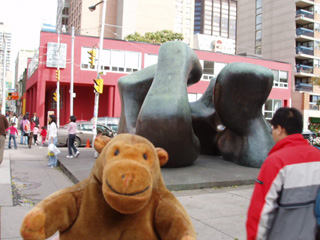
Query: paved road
x=217 y=213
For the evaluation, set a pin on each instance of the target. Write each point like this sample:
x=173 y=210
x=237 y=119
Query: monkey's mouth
x=126 y=194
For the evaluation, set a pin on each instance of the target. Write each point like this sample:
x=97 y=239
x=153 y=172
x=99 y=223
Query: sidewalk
x=217 y=213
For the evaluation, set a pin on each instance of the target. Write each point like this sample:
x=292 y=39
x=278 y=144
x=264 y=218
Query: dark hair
x=73 y=118
x=53 y=119
x=44 y=127
x=288 y=118
x=24 y=117
x=12 y=124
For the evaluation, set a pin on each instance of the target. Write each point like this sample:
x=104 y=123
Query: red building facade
x=119 y=58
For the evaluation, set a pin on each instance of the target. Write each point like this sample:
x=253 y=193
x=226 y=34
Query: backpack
x=27 y=127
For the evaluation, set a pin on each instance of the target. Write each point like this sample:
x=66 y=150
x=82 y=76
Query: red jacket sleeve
x=264 y=192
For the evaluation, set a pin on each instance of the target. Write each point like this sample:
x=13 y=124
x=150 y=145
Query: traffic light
x=9 y=96
x=98 y=85
x=58 y=75
x=92 y=57
x=55 y=96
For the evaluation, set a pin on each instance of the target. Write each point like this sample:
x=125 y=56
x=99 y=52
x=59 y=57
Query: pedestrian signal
x=55 y=96
x=9 y=96
x=98 y=85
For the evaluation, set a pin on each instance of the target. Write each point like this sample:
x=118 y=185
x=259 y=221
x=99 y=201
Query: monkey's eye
x=145 y=156
x=116 y=152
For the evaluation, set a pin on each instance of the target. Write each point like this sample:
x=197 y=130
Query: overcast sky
x=25 y=17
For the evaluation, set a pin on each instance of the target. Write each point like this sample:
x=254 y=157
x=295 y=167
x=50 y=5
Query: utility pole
x=58 y=82
x=96 y=94
x=72 y=71
x=3 y=108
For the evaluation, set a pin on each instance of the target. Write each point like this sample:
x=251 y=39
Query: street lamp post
x=96 y=95
x=3 y=108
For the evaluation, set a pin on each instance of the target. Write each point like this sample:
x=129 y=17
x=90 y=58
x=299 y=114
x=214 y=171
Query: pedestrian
x=26 y=128
x=14 y=119
x=35 y=134
x=32 y=125
x=35 y=119
x=52 y=138
x=43 y=135
x=12 y=131
x=4 y=124
x=72 y=127
x=20 y=124
x=283 y=201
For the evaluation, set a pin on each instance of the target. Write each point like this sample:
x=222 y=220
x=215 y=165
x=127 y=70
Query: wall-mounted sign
x=52 y=55
x=214 y=43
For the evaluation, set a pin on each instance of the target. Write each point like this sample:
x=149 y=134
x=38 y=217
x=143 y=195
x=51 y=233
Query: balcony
x=304 y=50
x=305 y=69
x=304 y=3
x=304 y=17
x=305 y=31
x=304 y=87
x=304 y=14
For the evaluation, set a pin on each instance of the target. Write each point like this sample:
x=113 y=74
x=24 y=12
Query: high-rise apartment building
x=5 y=57
x=62 y=17
x=215 y=18
x=286 y=30
x=215 y=25
x=124 y=17
x=5 y=42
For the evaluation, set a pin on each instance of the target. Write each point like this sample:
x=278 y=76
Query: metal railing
x=305 y=31
x=304 y=50
x=304 y=69
x=305 y=87
x=304 y=13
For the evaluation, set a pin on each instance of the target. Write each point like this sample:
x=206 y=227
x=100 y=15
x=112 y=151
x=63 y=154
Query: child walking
x=43 y=134
x=35 y=134
x=12 y=131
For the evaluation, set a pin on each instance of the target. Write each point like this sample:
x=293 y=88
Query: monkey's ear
x=163 y=156
x=100 y=142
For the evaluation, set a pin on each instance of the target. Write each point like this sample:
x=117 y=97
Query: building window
x=150 y=59
x=314 y=101
x=113 y=60
x=192 y=97
x=270 y=107
x=280 y=79
x=258 y=44
x=211 y=69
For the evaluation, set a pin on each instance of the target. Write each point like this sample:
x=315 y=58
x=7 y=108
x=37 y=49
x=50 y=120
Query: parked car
x=84 y=132
x=111 y=122
x=309 y=135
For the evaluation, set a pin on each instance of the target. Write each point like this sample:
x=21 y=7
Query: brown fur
x=123 y=198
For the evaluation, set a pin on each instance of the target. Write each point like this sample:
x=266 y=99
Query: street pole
x=3 y=108
x=58 y=83
x=72 y=71
x=96 y=95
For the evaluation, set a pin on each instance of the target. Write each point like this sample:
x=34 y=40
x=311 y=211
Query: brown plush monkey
x=123 y=198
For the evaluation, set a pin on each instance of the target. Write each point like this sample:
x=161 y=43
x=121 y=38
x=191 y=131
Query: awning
x=314 y=120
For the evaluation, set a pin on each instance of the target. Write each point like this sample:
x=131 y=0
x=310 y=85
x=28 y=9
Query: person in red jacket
x=283 y=200
x=12 y=131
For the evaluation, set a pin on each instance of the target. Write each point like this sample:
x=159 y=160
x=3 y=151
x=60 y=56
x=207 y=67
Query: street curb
x=68 y=173
x=194 y=186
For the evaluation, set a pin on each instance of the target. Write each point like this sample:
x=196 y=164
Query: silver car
x=83 y=133
x=111 y=122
